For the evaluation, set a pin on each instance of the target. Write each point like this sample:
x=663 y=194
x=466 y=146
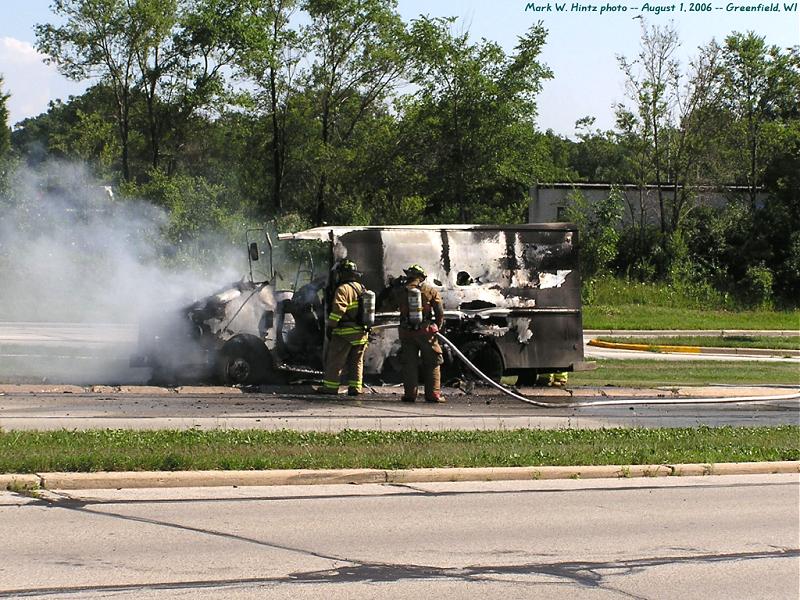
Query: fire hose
x=609 y=402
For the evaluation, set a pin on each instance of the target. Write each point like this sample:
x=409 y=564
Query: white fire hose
x=619 y=402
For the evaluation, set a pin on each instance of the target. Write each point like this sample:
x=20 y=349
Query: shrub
x=598 y=226
x=755 y=289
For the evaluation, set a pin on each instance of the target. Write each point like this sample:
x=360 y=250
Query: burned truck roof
x=533 y=266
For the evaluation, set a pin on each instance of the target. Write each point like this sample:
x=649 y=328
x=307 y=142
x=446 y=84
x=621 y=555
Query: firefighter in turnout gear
x=347 y=338
x=421 y=316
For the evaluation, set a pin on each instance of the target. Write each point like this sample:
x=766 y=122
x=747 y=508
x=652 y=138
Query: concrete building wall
x=548 y=203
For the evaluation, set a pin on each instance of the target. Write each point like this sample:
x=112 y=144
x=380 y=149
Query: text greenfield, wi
x=656 y=8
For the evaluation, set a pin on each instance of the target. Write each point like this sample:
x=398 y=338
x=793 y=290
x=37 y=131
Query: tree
x=99 y=38
x=156 y=60
x=82 y=126
x=599 y=227
x=648 y=80
x=269 y=57
x=691 y=136
x=474 y=119
x=167 y=53
x=182 y=57
x=761 y=86
x=358 y=51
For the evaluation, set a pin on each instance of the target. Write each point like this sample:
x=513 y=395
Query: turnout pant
x=342 y=354
x=412 y=346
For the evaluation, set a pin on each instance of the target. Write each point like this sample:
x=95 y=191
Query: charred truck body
x=511 y=296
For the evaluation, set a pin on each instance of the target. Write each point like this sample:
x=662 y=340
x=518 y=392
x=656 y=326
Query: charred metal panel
x=517 y=266
x=556 y=341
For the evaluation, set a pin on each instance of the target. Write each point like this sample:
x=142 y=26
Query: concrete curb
x=644 y=347
x=694 y=349
x=706 y=332
x=166 y=479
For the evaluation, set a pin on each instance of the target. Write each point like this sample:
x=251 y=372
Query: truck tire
x=244 y=360
x=485 y=356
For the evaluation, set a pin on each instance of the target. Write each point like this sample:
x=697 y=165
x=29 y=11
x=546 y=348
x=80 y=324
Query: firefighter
x=347 y=338
x=417 y=334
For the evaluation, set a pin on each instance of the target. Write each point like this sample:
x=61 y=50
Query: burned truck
x=511 y=296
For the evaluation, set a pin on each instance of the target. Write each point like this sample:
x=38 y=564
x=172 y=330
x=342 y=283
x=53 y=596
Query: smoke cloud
x=71 y=251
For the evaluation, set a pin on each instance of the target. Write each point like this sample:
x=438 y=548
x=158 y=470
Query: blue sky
x=581 y=47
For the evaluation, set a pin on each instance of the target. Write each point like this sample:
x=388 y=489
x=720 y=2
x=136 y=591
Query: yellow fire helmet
x=415 y=270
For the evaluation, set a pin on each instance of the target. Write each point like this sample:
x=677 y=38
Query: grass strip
x=125 y=450
x=639 y=316
x=649 y=372
x=713 y=341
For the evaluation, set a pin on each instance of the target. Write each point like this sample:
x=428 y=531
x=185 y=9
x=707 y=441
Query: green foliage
x=200 y=216
x=761 y=87
x=409 y=210
x=756 y=287
x=193 y=204
x=5 y=132
x=471 y=124
x=6 y=159
x=598 y=225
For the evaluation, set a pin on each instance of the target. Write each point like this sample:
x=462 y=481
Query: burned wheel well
x=244 y=359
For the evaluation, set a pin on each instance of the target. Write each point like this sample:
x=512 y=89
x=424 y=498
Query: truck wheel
x=244 y=359
x=484 y=356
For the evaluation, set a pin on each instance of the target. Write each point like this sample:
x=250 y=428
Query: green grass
x=611 y=303
x=635 y=316
x=713 y=341
x=124 y=450
x=616 y=291
x=636 y=373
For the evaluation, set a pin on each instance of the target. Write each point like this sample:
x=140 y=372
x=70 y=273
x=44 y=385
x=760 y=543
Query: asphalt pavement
x=48 y=407
x=678 y=538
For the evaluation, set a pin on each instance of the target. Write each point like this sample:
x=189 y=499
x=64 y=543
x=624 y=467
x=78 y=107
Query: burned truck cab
x=511 y=292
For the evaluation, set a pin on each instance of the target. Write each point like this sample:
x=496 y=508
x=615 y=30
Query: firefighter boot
x=433 y=384
x=409 y=393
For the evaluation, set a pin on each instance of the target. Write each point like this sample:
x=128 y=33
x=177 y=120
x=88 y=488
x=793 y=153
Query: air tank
x=414 y=306
x=368 y=308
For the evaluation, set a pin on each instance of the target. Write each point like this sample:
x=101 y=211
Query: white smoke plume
x=73 y=252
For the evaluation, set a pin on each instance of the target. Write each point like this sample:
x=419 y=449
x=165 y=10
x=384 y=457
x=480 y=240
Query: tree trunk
x=124 y=131
x=323 y=179
x=319 y=218
x=657 y=163
x=277 y=145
